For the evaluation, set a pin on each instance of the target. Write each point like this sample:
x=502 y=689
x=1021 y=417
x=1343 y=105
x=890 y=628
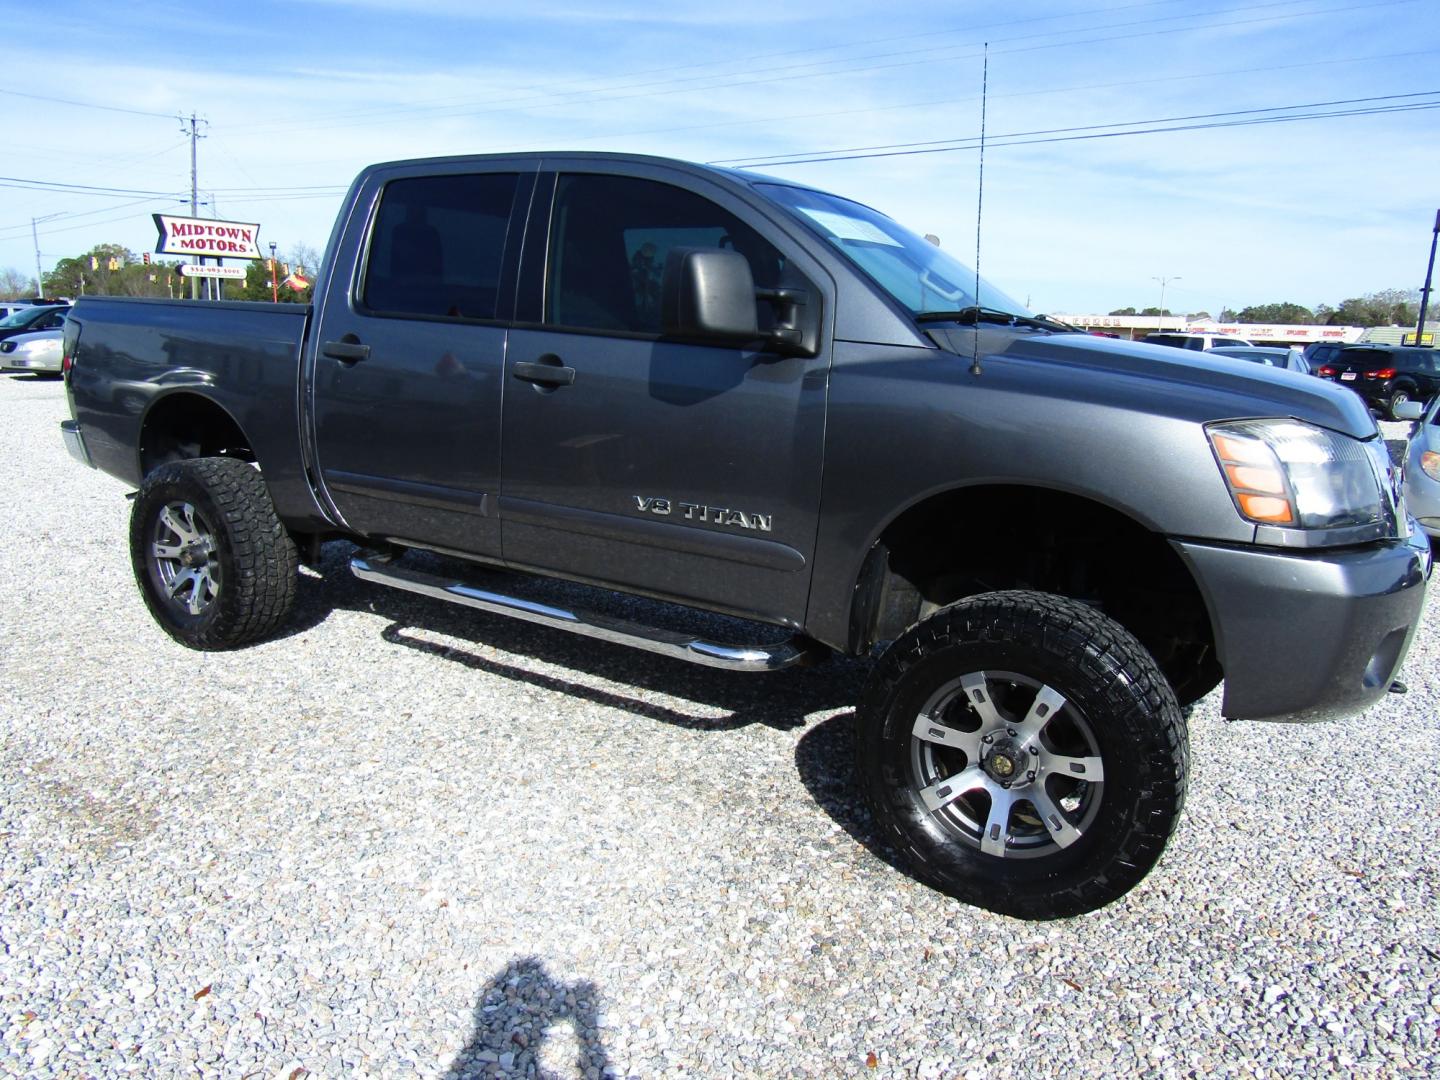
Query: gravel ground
x=408 y=840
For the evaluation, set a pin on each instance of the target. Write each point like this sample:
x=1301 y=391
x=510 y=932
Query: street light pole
x=1425 y=292
x=1161 y=311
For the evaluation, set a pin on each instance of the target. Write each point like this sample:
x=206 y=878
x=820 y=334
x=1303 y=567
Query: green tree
x=1388 y=307
x=111 y=270
x=1195 y=315
x=1155 y=311
x=257 y=279
x=1124 y=311
x=1276 y=313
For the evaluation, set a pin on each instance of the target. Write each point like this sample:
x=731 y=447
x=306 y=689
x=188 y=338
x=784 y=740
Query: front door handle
x=347 y=350
x=543 y=374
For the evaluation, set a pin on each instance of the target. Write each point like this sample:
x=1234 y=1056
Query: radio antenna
x=980 y=205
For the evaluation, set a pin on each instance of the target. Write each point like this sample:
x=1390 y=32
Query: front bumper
x=1310 y=636
x=1422 y=491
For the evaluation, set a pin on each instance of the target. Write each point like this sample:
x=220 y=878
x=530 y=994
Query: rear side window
x=609 y=239
x=438 y=245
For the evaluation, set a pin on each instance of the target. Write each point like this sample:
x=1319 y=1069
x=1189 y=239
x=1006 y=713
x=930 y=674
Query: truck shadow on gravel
x=479 y=641
x=825 y=762
x=519 y=1011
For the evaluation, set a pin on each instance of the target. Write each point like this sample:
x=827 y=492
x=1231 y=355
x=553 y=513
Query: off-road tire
x=251 y=565
x=1109 y=683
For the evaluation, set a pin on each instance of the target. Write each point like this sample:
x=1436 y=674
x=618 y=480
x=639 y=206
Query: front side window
x=438 y=245
x=610 y=236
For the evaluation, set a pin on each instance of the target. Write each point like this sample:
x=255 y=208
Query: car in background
x=35 y=317
x=1422 y=468
x=1290 y=359
x=37 y=352
x=1196 y=342
x=1386 y=376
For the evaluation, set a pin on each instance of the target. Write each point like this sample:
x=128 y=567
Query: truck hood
x=1197 y=385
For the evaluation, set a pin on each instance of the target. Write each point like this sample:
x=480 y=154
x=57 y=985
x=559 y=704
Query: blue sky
x=297 y=97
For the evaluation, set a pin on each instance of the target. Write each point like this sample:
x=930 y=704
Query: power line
x=64 y=187
x=732 y=62
x=1089 y=132
x=1221 y=73
x=766 y=158
x=87 y=104
x=738 y=79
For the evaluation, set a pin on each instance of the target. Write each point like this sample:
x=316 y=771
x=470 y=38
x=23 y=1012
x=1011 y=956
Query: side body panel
x=685 y=471
x=133 y=354
x=406 y=440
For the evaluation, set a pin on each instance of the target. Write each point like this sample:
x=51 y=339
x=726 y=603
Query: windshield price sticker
x=848 y=228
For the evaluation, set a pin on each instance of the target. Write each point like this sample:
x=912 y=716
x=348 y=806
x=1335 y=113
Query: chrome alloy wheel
x=1007 y=763
x=183 y=553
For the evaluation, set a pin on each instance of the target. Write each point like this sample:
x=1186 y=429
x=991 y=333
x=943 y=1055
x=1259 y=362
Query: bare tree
x=14 y=284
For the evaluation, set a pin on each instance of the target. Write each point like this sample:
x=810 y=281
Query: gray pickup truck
x=747 y=396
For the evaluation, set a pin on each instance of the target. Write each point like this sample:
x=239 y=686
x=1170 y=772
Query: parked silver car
x=1422 y=466
x=38 y=352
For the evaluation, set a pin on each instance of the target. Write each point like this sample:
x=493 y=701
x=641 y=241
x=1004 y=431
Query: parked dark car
x=50 y=317
x=1386 y=376
x=1290 y=359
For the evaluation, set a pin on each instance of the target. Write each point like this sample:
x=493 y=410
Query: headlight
x=1294 y=475
x=1430 y=464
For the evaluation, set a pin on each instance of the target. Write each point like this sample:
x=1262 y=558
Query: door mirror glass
x=708 y=293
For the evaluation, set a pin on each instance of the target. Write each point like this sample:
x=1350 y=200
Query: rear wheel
x=1399 y=397
x=213 y=562
x=1025 y=753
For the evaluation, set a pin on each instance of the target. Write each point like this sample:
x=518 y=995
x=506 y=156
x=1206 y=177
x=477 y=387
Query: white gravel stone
x=406 y=840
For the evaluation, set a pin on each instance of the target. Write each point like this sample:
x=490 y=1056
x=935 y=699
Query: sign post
x=1425 y=292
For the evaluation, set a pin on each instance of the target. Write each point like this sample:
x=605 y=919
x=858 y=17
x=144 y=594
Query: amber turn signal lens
x=1266 y=508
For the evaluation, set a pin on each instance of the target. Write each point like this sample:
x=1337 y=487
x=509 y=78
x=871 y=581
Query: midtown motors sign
x=205 y=236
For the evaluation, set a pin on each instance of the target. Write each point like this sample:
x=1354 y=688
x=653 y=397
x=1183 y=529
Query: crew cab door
x=409 y=351
x=680 y=470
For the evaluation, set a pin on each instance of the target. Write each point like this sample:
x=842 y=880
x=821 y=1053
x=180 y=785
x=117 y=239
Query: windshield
x=18 y=318
x=912 y=270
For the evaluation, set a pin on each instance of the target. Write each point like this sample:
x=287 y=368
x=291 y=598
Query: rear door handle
x=346 y=350
x=543 y=374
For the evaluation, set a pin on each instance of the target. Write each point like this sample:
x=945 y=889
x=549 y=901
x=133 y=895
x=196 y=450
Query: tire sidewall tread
x=1127 y=702
x=258 y=560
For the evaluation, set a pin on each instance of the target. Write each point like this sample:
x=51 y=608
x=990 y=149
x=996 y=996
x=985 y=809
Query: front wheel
x=215 y=565
x=1025 y=753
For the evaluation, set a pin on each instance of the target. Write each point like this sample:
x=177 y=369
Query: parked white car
x=37 y=352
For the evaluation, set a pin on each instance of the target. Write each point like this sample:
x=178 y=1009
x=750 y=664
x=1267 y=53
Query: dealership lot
x=405 y=839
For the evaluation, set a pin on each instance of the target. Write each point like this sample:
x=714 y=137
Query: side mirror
x=1409 y=410
x=708 y=293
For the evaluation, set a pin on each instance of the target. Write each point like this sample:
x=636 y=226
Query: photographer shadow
x=522 y=1009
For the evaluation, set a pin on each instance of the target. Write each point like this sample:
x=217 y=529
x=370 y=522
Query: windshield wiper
x=977 y=313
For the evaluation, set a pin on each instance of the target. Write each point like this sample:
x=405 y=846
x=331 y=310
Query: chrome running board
x=795 y=650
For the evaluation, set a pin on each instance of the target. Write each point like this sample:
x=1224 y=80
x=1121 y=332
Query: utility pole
x=193 y=131
x=35 y=235
x=1425 y=292
x=1159 y=324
